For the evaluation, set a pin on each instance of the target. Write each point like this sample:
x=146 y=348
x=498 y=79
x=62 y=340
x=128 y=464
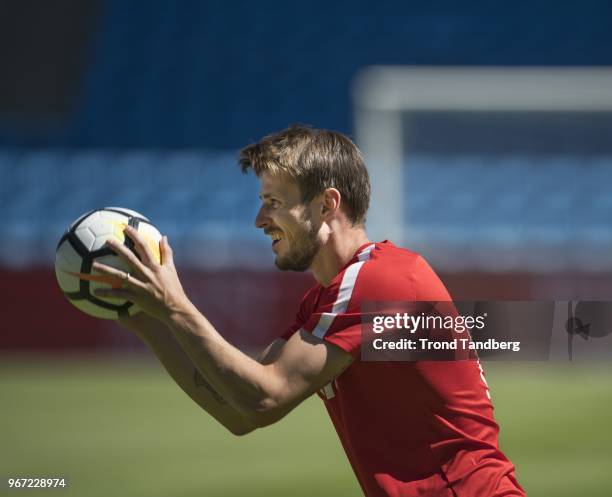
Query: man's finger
x=166 y=251
x=141 y=247
x=127 y=255
x=125 y=278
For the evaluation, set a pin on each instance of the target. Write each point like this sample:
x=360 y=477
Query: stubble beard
x=304 y=249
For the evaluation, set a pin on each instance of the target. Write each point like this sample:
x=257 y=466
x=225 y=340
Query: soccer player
x=408 y=428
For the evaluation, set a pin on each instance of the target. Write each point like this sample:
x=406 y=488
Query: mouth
x=276 y=237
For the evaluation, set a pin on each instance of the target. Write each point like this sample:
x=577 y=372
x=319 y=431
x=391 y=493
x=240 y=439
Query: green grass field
x=121 y=427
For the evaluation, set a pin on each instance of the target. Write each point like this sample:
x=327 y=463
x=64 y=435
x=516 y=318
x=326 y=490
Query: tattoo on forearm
x=201 y=382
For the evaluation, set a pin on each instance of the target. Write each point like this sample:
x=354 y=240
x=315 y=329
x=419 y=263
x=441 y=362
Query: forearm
x=179 y=366
x=247 y=385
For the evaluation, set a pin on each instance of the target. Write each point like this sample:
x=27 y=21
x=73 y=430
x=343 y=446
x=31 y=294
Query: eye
x=273 y=203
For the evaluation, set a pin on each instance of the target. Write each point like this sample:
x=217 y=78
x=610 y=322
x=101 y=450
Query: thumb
x=166 y=251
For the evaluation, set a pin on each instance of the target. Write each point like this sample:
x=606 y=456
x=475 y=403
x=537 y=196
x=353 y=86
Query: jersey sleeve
x=346 y=334
x=337 y=318
x=303 y=313
x=288 y=333
x=427 y=285
x=341 y=328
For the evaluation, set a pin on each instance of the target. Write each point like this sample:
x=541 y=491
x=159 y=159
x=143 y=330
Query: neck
x=336 y=252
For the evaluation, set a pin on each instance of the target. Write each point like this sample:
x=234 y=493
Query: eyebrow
x=266 y=195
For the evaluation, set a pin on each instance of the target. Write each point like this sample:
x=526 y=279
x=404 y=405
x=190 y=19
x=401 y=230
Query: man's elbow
x=266 y=407
x=241 y=431
x=253 y=421
x=266 y=413
x=240 y=427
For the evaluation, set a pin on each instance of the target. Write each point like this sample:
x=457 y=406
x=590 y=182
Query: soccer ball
x=83 y=243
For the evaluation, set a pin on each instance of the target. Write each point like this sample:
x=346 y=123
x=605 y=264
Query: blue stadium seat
x=202 y=197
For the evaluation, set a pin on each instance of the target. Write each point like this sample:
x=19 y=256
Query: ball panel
x=104 y=309
x=85 y=235
x=107 y=225
x=94 y=309
x=67 y=261
x=79 y=219
x=101 y=227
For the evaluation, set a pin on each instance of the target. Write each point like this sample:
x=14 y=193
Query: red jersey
x=421 y=428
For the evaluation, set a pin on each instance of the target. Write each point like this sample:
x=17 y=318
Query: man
x=408 y=428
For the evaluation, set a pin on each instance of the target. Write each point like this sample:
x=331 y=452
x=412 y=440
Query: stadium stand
x=205 y=205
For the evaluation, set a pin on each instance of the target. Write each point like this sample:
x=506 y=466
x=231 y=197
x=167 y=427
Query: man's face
x=289 y=222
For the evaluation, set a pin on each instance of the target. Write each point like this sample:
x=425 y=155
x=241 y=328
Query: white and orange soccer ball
x=85 y=242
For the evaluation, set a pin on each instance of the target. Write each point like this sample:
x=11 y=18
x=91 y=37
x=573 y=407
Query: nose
x=261 y=220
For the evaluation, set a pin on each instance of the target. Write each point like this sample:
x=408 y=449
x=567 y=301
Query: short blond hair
x=315 y=159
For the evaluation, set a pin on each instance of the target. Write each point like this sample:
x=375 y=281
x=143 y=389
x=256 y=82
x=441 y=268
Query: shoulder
x=395 y=273
x=388 y=257
x=310 y=298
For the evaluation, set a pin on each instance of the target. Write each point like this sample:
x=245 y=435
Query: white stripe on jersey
x=344 y=294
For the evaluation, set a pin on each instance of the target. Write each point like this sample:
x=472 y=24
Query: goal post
x=384 y=95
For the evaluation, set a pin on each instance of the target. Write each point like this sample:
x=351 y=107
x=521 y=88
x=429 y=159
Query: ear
x=331 y=199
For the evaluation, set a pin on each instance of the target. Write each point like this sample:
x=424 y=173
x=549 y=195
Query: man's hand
x=154 y=286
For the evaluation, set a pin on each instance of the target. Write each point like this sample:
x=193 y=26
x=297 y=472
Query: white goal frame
x=382 y=95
